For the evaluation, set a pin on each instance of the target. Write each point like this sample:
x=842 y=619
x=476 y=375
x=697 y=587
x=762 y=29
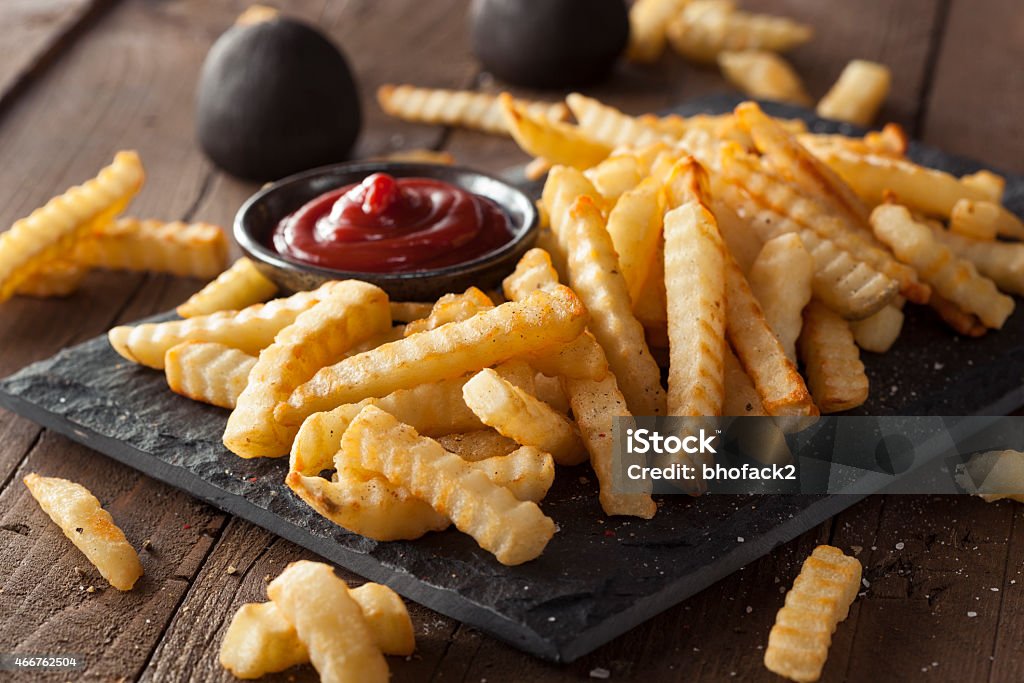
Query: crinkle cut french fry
x=522 y=417
x=831 y=359
x=995 y=475
x=451 y=308
x=635 y=225
x=1003 y=262
x=594 y=275
x=880 y=331
x=549 y=389
x=781 y=280
x=478 y=445
x=648 y=21
x=740 y=395
x=87 y=525
x=610 y=126
x=515 y=531
x=614 y=176
x=533 y=271
x=990 y=184
x=349 y=314
x=250 y=330
x=780 y=386
x=595 y=406
x=695 y=283
x=850 y=287
x=651 y=306
x=183 y=249
x=208 y=372
x=858 y=94
x=975 y=219
x=953 y=278
x=763 y=75
x=820 y=598
x=508 y=331
x=960 y=320
x=53 y=230
x=706 y=28
x=56 y=278
x=561 y=188
x=464 y=108
x=329 y=622
x=239 y=286
x=559 y=143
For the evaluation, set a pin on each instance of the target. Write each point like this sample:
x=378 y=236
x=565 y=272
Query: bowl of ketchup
x=417 y=231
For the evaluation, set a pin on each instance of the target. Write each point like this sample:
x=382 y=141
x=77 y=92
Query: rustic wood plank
x=975 y=100
x=1007 y=664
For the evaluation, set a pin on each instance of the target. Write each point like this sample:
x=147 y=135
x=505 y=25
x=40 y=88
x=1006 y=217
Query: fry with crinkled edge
x=514 y=531
x=975 y=219
x=250 y=330
x=877 y=333
x=705 y=28
x=351 y=312
x=763 y=75
x=648 y=21
x=615 y=176
x=208 y=372
x=609 y=126
x=558 y=142
x=953 y=278
x=594 y=275
x=329 y=622
x=504 y=332
x=831 y=360
x=522 y=417
x=89 y=527
x=820 y=598
x=179 y=248
x=462 y=108
x=451 y=308
x=54 y=229
x=1002 y=262
x=695 y=284
x=780 y=386
x=848 y=286
x=57 y=278
x=781 y=280
x=857 y=94
x=239 y=286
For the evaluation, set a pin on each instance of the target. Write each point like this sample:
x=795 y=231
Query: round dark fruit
x=276 y=97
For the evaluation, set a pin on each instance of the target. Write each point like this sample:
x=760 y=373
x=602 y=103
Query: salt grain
x=601 y=673
x=900 y=545
x=971 y=615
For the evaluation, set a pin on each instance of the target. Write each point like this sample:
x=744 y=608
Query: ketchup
x=392 y=225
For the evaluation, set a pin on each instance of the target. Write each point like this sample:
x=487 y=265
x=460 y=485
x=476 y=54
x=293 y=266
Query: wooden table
x=80 y=79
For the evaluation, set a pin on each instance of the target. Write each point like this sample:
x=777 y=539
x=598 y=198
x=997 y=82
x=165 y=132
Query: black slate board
x=599 y=576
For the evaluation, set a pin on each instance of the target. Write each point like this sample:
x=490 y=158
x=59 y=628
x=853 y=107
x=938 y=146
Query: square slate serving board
x=599 y=576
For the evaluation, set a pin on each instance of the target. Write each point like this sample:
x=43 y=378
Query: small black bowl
x=257 y=218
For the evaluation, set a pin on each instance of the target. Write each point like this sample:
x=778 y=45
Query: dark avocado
x=276 y=97
x=549 y=43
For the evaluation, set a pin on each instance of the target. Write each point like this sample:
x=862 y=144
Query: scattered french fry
x=558 y=142
x=648 y=21
x=208 y=372
x=858 y=94
x=238 y=287
x=610 y=126
x=56 y=278
x=706 y=28
x=1003 y=262
x=763 y=75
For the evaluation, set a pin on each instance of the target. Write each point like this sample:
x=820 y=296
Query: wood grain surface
x=80 y=79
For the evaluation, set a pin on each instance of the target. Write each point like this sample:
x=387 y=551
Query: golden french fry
x=648 y=20
x=995 y=475
x=329 y=622
x=595 y=405
x=891 y=141
x=418 y=156
x=778 y=383
x=705 y=28
x=187 y=250
x=451 y=308
x=522 y=417
x=549 y=389
x=740 y=394
x=559 y=143
x=850 y=287
x=763 y=75
x=250 y=330
x=208 y=372
x=992 y=185
x=56 y=278
x=408 y=311
x=89 y=527
x=975 y=219
x=1003 y=262
x=781 y=280
x=609 y=126
x=594 y=275
x=480 y=444
x=831 y=359
x=953 y=278
x=350 y=313
x=877 y=333
x=923 y=189
x=533 y=271
x=740 y=239
x=651 y=306
x=462 y=108
x=515 y=531
x=563 y=186
x=615 y=176
x=820 y=598
x=239 y=286
x=960 y=320
x=695 y=283
x=635 y=226
x=858 y=94
x=53 y=230
x=490 y=337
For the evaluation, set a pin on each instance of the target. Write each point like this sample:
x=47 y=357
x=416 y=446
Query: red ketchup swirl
x=392 y=225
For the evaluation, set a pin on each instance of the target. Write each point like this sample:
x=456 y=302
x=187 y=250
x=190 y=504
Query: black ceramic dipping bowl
x=261 y=213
